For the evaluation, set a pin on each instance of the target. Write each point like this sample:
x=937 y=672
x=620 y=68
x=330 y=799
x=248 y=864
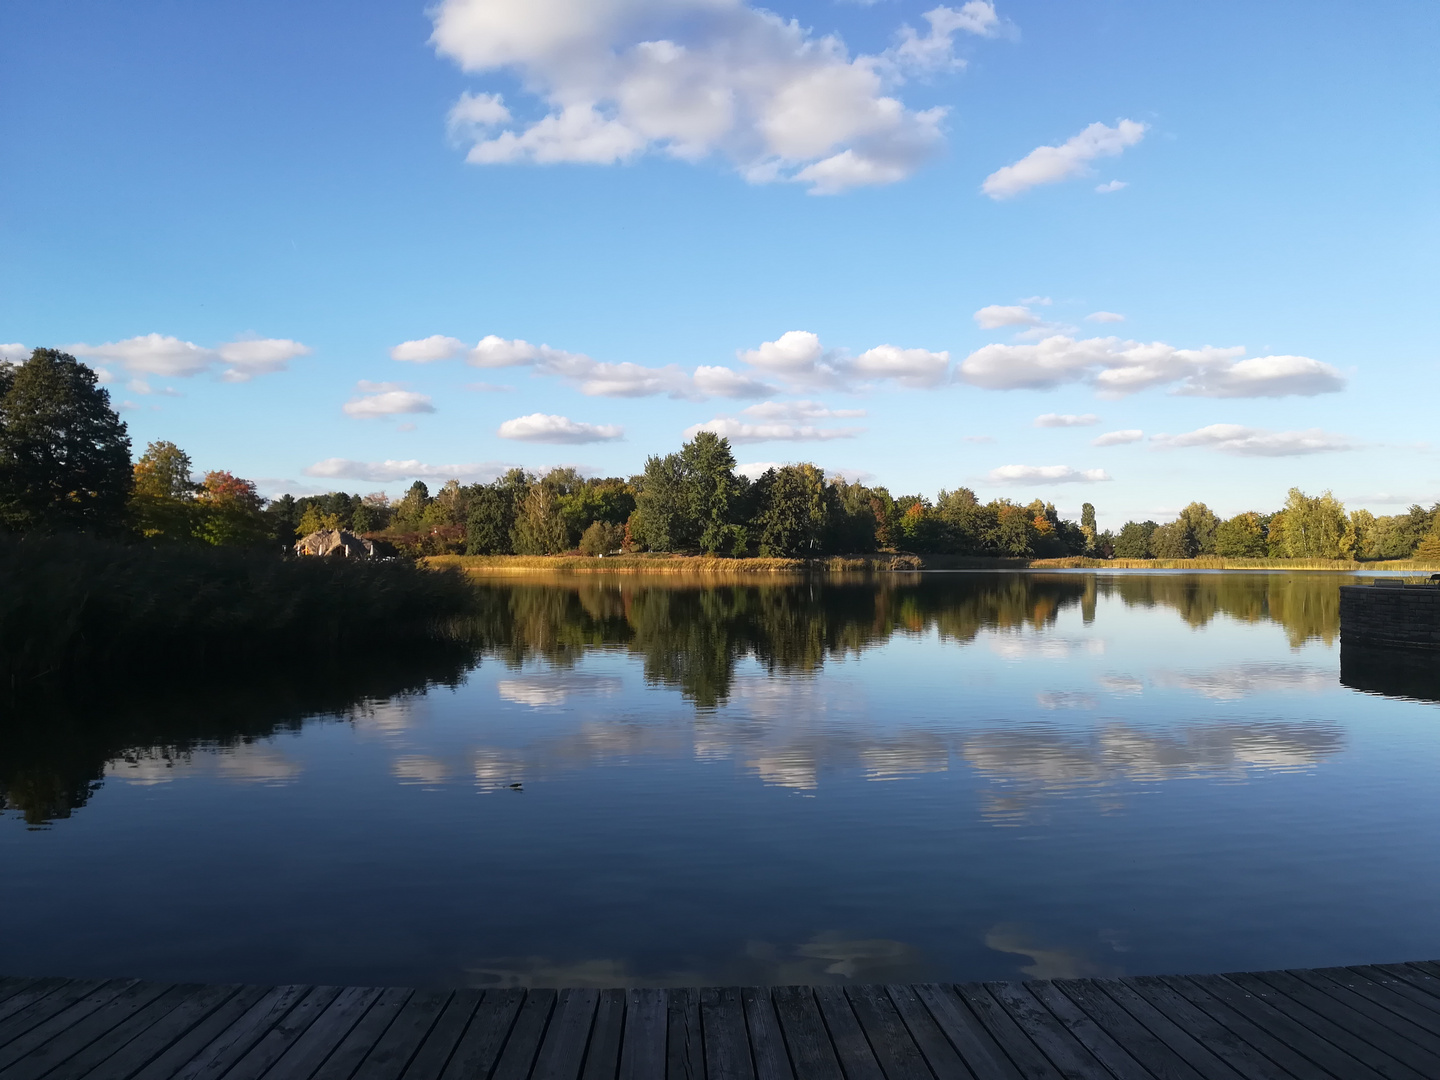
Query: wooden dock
x=1360 y=1023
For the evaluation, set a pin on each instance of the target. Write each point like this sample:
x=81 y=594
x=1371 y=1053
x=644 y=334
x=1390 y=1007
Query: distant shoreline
x=879 y=563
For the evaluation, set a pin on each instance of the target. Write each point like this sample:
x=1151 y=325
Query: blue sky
x=847 y=213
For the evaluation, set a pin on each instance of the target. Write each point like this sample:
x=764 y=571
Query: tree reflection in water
x=690 y=634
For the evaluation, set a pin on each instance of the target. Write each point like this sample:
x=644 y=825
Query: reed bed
x=669 y=564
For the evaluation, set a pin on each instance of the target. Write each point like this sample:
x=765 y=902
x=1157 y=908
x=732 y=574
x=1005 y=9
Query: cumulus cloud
x=695 y=78
x=591 y=377
x=427 y=350
x=781 y=421
x=1104 y=316
x=755 y=469
x=385 y=472
x=386 y=399
x=1046 y=474
x=1257 y=442
x=14 y=353
x=158 y=354
x=994 y=316
x=540 y=427
x=1051 y=419
x=1116 y=367
x=798 y=357
x=1118 y=438
x=1052 y=164
x=1109 y=186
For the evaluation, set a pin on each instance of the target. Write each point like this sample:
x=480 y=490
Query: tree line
x=65 y=466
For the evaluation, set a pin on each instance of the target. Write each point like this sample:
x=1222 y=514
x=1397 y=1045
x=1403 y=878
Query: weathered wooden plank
x=1198 y=1054
x=88 y=994
x=368 y=1031
x=851 y=1047
x=434 y=1054
x=642 y=1053
x=172 y=1058
x=391 y=1055
x=1013 y=1041
x=944 y=1063
x=479 y=1047
x=767 y=1041
x=76 y=1037
x=518 y=1057
x=1089 y=1034
x=124 y=1060
x=1269 y=1030
x=60 y=1019
x=235 y=1042
x=727 y=1042
x=1339 y=1009
x=12 y=985
x=1423 y=1002
x=34 y=991
x=1216 y=1037
x=321 y=1038
x=810 y=1050
x=562 y=1051
x=1429 y=967
x=1357 y=1046
x=1134 y=1036
x=272 y=1046
x=977 y=1048
x=1420 y=980
x=1379 y=1003
x=602 y=1058
x=134 y=1041
x=1047 y=1033
x=684 y=1041
x=895 y=1051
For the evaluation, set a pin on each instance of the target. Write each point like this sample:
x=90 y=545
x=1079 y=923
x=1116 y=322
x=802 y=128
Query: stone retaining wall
x=1388 y=617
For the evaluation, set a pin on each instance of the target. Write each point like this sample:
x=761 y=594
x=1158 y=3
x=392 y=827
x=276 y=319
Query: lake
x=651 y=781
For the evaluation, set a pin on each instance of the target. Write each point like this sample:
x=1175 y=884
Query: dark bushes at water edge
x=75 y=606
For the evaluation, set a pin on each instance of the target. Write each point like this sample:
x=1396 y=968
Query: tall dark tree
x=64 y=452
x=796 y=519
x=711 y=489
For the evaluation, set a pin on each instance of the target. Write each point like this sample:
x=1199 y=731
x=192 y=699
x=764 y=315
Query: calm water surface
x=651 y=782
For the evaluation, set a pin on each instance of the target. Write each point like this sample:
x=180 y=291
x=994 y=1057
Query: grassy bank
x=72 y=607
x=487 y=565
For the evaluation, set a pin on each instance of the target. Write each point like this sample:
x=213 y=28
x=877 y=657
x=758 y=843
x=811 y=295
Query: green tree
x=64 y=452
x=1200 y=526
x=1089 y=528
x=539 y=527
x=708 y=468
x=798 y=512
x=411 y=507
x=230 y=512
x=490 y=521
x=1134 y=540
x=1172 y=540
x=162 y=501
x=601 y=538
x=1309 y=527
x=662 y=520
x=1241 y=537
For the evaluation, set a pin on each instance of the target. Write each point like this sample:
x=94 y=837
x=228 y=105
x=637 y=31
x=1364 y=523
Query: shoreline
x=883 y=563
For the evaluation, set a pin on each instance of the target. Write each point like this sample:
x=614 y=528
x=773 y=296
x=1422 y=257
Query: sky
x=1134 y=254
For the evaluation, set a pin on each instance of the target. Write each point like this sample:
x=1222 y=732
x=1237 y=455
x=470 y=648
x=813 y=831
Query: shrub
x=601 y=538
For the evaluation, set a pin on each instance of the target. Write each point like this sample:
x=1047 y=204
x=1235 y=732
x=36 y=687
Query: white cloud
x=1046 y=474
x=756 y=469
x=1118 y=438
x=692 y=78
x=385 y=472
x=1043 y=301
x=1104 y=316
x=540 y=427
x=427 y=350
x=1110 y=185
x=386 y=399
x=915 y=368
x=727 y=382
x=14 y=353
x=742 y=431
x=1257 y=442
x=798 y=357
x=158 y=354
x=488 y=388
x=1116 y=368
x=1052 y=164
x=977 y=438
x=1266 y=376
x=1051 y=419
x=994 y=316
x=799 y=410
